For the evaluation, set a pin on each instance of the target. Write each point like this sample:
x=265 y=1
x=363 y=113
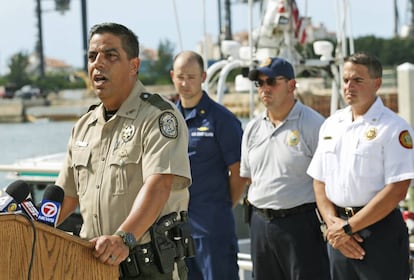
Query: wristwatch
x=347 y=228
x=127 y=237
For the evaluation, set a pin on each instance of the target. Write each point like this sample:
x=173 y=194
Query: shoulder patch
x=156 y=100
x=405 y=139
x=168 y=125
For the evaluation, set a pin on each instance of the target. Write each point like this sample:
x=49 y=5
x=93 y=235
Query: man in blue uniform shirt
x=214 y=150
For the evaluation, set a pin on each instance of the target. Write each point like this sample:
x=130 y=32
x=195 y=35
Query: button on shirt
x=214 y=144
x=276 y=158
x=356 y=159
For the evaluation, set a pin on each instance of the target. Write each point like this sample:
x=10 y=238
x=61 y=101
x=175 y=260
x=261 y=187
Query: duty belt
x=280 y=213
x=140 y=256
x=347 y=211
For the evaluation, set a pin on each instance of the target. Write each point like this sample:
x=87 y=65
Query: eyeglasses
x=269 y=81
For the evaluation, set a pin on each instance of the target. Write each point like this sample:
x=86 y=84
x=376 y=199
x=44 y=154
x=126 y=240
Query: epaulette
x=156 y=100
x=93 y=106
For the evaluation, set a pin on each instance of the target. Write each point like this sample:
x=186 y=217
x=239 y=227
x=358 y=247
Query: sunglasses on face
x=269 y=81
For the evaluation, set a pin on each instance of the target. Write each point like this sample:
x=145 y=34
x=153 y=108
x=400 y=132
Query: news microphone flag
x=30 y=209
x=50 y=206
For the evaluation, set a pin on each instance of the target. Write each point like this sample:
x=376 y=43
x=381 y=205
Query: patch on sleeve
x=405 y=139
x=168 y=125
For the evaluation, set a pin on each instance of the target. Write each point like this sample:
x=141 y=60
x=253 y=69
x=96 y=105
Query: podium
x=57 y=254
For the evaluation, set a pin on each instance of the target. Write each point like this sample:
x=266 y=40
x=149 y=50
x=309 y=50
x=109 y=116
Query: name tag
x=202 y=134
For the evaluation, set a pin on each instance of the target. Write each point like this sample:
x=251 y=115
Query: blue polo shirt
x=214 y=144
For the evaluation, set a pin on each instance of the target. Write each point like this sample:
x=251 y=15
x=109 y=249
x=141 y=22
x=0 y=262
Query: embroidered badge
x=202 y=128
x=293 y=138
x=405 y=139
x=168 y=125
x=371 y=133
x=266 y=62
x=127 y=132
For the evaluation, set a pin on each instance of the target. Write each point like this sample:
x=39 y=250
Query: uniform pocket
x=80 y=159
x=330 y=162
x=367 y=158
x=124 y=166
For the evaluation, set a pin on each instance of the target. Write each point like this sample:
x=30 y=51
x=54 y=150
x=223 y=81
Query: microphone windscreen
x=54 y=193
x=19 y=190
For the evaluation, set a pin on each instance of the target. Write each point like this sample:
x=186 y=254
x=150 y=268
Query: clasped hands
x=348 y=245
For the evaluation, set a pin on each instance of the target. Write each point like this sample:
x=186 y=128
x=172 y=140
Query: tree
x=161 y=67
x=18 y=70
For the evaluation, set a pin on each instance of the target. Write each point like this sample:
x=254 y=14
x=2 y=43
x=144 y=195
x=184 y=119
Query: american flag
x=298 y=23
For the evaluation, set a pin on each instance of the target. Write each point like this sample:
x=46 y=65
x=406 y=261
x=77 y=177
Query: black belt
x=347 y=211
x=271 y=213
x=144 y=253
x=139 y=257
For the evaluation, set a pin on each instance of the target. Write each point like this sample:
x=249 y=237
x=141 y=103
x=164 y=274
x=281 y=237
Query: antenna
x=177 y=22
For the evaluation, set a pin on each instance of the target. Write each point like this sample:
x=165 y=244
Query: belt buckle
x=349 y=211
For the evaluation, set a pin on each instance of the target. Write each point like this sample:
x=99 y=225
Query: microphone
x=29 y=208
x=14 y=194
x=50 y=206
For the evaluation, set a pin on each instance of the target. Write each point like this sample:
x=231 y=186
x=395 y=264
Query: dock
x=71 y=104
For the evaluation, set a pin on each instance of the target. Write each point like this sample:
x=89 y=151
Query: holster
x=129 y=268
x=248 y=209
x=171 y=240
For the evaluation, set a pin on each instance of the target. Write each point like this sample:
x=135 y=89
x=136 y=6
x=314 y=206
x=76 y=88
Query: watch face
x=347 y=229
x=129 y=239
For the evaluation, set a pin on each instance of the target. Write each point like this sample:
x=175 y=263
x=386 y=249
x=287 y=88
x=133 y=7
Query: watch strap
x=347 y=228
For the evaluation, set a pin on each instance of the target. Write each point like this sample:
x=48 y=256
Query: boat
x=37 y=170
x=38 y=173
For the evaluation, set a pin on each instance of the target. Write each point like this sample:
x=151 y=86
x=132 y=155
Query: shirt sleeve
x=167 y=153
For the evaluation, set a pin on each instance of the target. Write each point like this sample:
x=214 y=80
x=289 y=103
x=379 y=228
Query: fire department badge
x=127 y=132
x=405 y=139
x=293 y=138
x=371 y=133
x=168 y=125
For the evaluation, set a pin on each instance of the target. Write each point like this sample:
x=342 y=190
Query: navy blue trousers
x=215 y=259
x=386 y=248
x=288 y=248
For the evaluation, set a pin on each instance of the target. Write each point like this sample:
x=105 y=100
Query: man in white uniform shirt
x=362 y=169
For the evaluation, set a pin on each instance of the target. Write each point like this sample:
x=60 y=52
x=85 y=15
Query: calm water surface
x=23 y=140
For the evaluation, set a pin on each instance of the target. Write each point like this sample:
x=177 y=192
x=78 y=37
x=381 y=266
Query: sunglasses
x=269 y=81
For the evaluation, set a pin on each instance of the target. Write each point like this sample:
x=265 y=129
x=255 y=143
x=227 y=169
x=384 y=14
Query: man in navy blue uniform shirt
x=214 y=149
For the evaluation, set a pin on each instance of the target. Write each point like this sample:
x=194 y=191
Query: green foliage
x=18 y=70
x=391 y=52
x=160 y=68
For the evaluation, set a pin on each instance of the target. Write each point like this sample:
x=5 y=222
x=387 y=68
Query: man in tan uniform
x=127 y=163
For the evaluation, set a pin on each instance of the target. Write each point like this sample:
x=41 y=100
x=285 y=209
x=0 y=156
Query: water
x=22 y=140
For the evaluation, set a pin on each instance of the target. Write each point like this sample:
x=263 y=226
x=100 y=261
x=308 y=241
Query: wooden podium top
x=57 y=254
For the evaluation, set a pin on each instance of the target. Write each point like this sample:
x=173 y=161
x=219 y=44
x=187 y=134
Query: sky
x=156 y=20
